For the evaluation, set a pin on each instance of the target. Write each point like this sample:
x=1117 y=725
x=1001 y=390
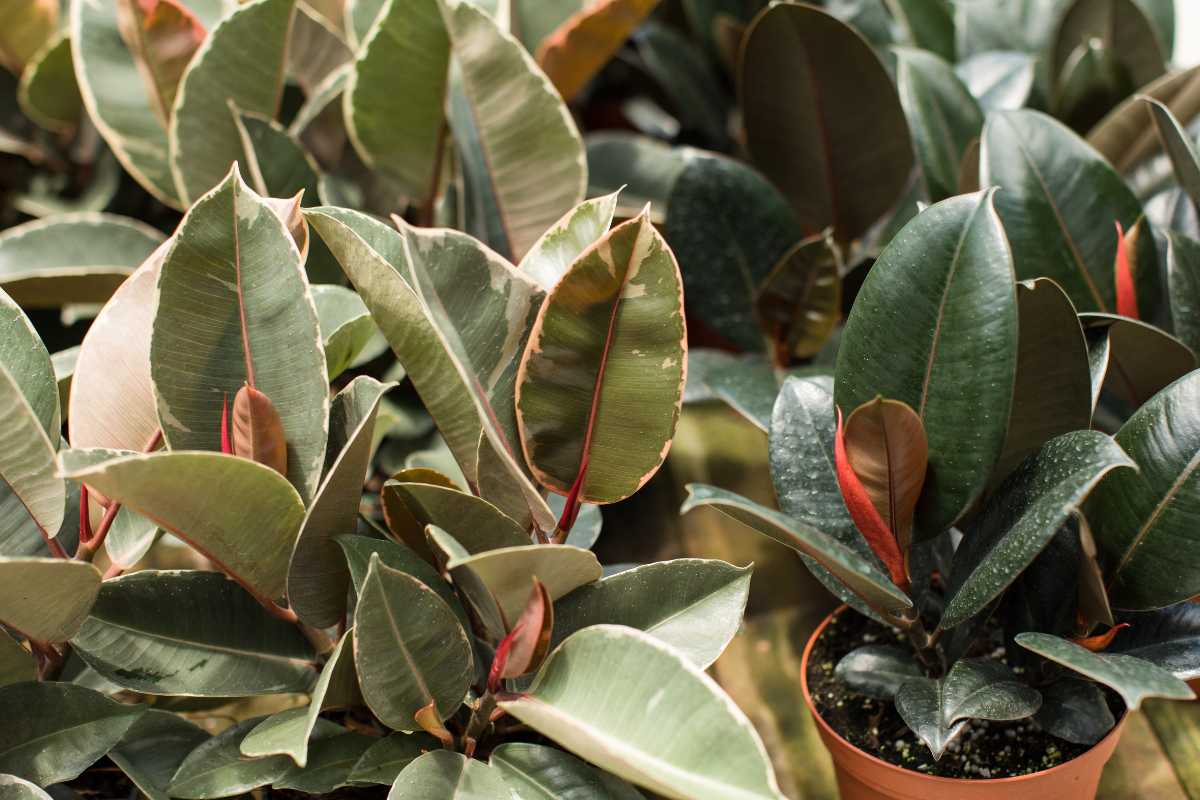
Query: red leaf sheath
x=500 y=659
x=1100 y=641
x=866 y=517
x=226 y=444
x=1126 y=293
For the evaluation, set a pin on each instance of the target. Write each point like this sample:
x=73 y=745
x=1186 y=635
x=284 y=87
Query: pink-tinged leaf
x=162 y=35
x=257 y=430
x=25 y=26
x=431 y=722
x=1100 y=641
x=226 y=442
x=1126 y=292
x=866 y=516
x=527 y=644
x=577 y=50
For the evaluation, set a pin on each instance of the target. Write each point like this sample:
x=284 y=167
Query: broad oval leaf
x=607 y=693
x=641 y=168
x=206 y=638
x=614 y=323
x=579 y=47
x=447 y=775
x=1055 y=190
x=1131 y=677
x=509 y=123
x=1133 y=358
x=859 y=574
x=217 y=769
x=317 y=575
x=1123 y=137
x=552 y=254
x=331 y=758
x=835 y=142
x=1023 y=515
x=242 y=62
x=1120 y=27
x=800 y=301
x=54 y=731
x=410 y=649
x=474 y=523
x=942 y=294
x=72 y=258
x=1144 y=521
x=359 y=549
x=385 y=759
x=540 y=772
x=46 y=598
x=28 y=373
x=692 y=604
x=210 y=501
x=1169 y=638
x=506 y=572
x=938 y=710
x=878 y=670
x=154 y=748
x=234 y=309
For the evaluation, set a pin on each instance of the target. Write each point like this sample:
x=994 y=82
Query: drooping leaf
x=206 y=638
x=346 y=327
x=330 y=762
x=1131 y=677
x=729 y=227
x=1119 y=356
x=579 y=47
x=409 y=648
x=385 y=759
x=878 y=670
x=506 y=572
x=509 y=122
x=216 y=768
x=854 y=570
x=210 y=501
x=460 y=352
x=799 y=302
x=613 y=323
x=447 y=775
x=607 y=692
x=694 y=605
x=242 y=63
x=1124 y=138
x=162 y=36
x=835 y=141
x=1023 y=515
x=551 y=256
x=48 y=93
x=938 y=710
x=317 y=575
x=1075 y=710
x=234 y=309
x=154 y=748
x=539 y=772
x=1168 y=638
x=1183 y=272
x=1143 y=521
x=1054 y=189
x=46 y=598
x=959 y=365
x=1052 y=394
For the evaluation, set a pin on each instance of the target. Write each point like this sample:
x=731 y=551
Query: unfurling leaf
x=1100 y=641
x=162 y=35
x=257 y=430
x=863 y=510
x=526 y=645
x=1126 y=290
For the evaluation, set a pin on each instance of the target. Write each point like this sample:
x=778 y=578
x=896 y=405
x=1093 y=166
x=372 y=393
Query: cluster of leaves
x=997 y=452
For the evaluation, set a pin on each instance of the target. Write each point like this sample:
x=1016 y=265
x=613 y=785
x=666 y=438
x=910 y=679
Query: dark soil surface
x=983 y=750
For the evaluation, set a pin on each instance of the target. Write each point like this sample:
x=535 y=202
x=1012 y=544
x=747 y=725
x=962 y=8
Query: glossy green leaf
x=728 y=226
x=54 y=731
x=860 y=575
x=1169 y=638
x=551 y=256
x=929 y=24
x=287 y=732
x=154 y=748
x=540 y=772
x=46 y=598
x=999 y=80
x=642 y=168
x=72 y=258
x=28 y=367
x=16 y=663
x=942 y=114
x=748 y=384
x=447 y=775
x=1120 y=27
x=1091 y=82
x=409 y=648
x=957 y=363
x=509 y=122
x=1183 y=272
x=878 y=670
x=1053 y=391
x=116 y=101
x=1134 y=358
x=1023 y=515
x=359 y=549
x=207 y=638
x=422 y=288
x=216 y=768
x=614 y=323
x=1075 y=710
x=1130 y=677
x=396 y=93
x=385 y=759
x=276 y=163
x=1144 y=522
x=1024 y=25
x=330 y=761
x=475 y=523
x=346 y=326
x=234 y=307
x=508 y=572
x=694 y=605
x=241 y=63
x=1180 y=148
x=937 y=711
x=1124 y=138
x=209 y=500
x=317 y=576
x=1059 y=199
x=607 y=693
x=48 y=93
x=834 y=140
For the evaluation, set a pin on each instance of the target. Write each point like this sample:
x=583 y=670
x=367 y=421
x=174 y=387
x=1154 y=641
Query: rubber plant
x=429 y=627
x=952 y=478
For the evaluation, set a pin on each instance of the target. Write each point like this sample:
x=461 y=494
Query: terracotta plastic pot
x=862 y=776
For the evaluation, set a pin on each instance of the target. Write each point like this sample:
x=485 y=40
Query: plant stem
x=481 y=718
x=49 y=659
x=89 y=545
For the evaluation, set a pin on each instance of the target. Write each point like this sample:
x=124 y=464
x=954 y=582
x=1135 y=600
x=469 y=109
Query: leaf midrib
x=1159 y=509
x=203 y=646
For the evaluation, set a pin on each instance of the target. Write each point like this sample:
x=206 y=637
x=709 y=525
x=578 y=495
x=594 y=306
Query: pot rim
x=827 y=729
